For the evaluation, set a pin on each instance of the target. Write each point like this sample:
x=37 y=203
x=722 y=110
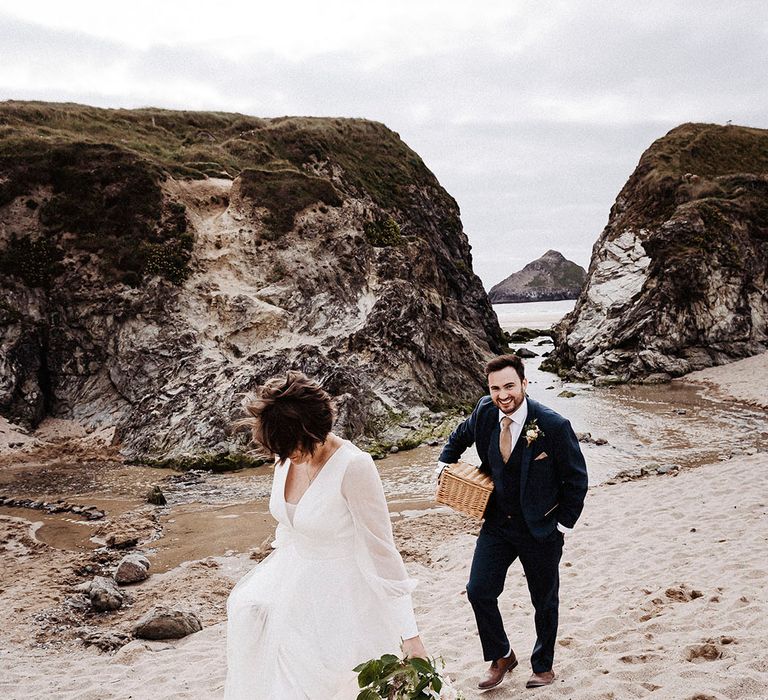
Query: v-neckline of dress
x=311 y=483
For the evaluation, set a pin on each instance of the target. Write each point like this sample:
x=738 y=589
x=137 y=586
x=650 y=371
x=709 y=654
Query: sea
x=532 y=314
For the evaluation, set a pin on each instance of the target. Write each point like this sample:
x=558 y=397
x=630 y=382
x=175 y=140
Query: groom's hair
x=289 y=413
x=503 y=361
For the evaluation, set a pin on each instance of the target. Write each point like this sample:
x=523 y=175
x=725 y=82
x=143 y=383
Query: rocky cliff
x=550 y=278
x=156 y=265
x=678 y=279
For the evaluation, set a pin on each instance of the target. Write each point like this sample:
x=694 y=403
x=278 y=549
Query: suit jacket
x=553 y=474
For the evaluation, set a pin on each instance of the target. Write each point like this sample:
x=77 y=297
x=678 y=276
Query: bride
x=335 y=591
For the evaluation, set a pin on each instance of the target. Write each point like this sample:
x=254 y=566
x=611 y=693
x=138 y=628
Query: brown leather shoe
x=537 y=680
x=497 y=671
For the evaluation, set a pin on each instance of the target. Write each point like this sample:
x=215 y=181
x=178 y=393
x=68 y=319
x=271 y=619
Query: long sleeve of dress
x=375 y=549
x=281 y=532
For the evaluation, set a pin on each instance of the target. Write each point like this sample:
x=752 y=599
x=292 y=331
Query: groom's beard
x=512 y=406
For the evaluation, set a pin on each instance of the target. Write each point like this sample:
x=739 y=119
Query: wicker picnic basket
x=464 y=488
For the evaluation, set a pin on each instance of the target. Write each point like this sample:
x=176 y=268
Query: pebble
x=666 y=468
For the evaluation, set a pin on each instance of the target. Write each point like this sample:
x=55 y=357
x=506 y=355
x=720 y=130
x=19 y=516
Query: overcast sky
x=531 y=114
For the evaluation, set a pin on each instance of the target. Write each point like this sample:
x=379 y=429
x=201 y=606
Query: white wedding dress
x=333 y=594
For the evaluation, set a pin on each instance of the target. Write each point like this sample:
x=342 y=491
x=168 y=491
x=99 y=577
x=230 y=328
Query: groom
x=540 y=481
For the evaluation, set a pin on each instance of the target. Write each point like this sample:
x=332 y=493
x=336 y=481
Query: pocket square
x=543 y=455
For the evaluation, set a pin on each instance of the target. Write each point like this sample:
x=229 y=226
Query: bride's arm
x=375 y=549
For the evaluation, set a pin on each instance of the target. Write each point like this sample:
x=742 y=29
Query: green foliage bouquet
x=393 y=678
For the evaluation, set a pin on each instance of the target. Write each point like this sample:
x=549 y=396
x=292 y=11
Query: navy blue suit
x=541 y=484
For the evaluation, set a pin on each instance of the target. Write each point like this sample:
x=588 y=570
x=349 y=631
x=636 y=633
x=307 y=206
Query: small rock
x=587 y=437
x=132 y=569
x=121 y=541
x=525 y=352
x=657 y=378
x=751 y=450
x=93 y=514
x=105 y=641
x=565 y=394
x=163 y=623
x=609 y=380
x=394 y=449
x=105 y=595
x=156 y=497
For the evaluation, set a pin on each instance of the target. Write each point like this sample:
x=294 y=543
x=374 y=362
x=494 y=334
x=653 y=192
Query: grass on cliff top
x=710 y=182
x=720 y=171
x=104 y=167
x=707 y=151
x=711 y=150
x=199 y=144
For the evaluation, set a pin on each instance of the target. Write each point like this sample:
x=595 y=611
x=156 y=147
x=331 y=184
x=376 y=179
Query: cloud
x=532 y=115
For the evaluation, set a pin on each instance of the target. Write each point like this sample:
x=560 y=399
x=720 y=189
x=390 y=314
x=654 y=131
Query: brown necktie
x=505 y=438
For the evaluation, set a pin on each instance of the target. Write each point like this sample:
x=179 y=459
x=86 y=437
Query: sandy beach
x=663 y=592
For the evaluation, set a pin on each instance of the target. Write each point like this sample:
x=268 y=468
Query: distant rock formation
x=679 y=277
x=550 y=278
x=156 y=265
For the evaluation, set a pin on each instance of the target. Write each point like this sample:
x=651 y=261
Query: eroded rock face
x=678 y=278
x=136 y=299
x=550 y=278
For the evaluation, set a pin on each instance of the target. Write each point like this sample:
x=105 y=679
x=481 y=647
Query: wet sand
x=662 y=596
x=663 y=580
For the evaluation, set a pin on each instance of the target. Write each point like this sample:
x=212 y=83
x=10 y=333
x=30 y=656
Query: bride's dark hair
x=288 y=414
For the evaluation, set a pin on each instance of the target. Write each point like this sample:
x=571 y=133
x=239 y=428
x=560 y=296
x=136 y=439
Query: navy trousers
x=497 y=547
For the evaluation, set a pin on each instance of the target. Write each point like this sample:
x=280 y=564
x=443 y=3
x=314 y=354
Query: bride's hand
x=414 y=647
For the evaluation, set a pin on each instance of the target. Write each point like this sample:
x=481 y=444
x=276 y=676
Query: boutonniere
x=532 y=432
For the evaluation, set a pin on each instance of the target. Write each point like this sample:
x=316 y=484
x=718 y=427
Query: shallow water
x=212 y=514
x=651 y=425
x=646 y=426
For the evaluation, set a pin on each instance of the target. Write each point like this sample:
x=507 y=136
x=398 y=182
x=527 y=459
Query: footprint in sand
x=698 y=653
x=682 y=593
x=639 y=658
